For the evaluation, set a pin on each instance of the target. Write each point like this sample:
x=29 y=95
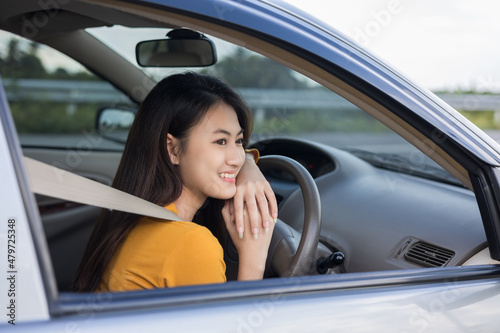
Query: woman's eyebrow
x=223 y=131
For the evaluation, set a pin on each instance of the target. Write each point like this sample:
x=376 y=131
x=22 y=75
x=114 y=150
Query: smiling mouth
x=227 y=176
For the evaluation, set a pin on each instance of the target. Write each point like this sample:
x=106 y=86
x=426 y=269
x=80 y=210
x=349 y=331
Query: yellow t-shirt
x=159 y=253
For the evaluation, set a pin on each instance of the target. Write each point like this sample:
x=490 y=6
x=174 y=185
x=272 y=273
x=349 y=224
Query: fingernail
x=267 y=229
x=275 y=220
x=266 y=226
x=240 y=232
x=255 y=233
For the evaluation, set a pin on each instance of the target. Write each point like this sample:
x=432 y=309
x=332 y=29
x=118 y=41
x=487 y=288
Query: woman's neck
x=187 y=205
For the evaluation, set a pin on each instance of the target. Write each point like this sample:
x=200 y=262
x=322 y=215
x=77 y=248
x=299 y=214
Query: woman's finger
x=238 y=206
x=273 y=205
x=265 y=213
x=254 y=216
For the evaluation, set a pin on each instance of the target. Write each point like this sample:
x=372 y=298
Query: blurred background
x=449 y=47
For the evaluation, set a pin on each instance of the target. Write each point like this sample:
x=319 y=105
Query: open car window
x=57 y=106
x=285 y=103
x=55 y=102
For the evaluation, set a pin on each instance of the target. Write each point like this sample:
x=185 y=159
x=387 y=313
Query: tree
x=31 y=66
x=248 y=70
x=27 y=64
x=20 y=64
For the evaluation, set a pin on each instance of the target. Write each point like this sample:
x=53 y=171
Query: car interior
x=390 y=199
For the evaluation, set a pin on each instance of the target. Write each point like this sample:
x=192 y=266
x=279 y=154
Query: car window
x=285 y=103
x=54 y=100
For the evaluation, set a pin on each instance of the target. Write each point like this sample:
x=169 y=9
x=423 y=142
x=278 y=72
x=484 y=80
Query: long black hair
x=174 y=106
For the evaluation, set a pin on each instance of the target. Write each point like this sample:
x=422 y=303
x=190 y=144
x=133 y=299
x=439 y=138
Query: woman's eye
x=239 y=141
x=221 y=142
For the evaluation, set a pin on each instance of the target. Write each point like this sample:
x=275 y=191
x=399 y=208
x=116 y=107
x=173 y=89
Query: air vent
x=428 y=255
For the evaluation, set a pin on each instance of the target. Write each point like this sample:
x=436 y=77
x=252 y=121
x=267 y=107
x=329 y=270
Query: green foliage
x=247 y=70
x=482 y=119
x=19 y=63
x=302 y=121
x=243 y=69
x=44 y=116
x=49 y=117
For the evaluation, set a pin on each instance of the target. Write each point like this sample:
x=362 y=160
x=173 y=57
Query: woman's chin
x=225 y=194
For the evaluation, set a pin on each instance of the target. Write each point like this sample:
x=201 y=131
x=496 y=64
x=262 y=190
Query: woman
x=185 y=151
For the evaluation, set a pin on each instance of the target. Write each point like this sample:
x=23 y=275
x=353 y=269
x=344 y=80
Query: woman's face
x=213 y=155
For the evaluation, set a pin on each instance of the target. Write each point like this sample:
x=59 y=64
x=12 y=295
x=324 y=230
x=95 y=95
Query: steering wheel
x=287 y=255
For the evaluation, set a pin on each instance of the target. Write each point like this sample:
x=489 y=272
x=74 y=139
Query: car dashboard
x=380 y=219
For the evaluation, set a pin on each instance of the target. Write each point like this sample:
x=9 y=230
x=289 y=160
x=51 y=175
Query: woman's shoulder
x=159 y=224
x=158 y=250
x=174 y=230
x=179 y=240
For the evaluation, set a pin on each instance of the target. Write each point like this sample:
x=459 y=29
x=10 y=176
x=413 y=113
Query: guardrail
x=76 y=92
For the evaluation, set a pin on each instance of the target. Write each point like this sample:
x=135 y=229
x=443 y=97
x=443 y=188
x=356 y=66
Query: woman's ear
x=173 y=149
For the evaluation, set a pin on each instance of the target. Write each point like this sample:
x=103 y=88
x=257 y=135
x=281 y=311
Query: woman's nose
x=235 y=155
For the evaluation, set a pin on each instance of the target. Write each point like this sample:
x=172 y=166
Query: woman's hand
x=252 y=248
x=255 y=196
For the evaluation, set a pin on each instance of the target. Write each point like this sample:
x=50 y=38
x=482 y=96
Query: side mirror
x=183 y=48
x=114 y=123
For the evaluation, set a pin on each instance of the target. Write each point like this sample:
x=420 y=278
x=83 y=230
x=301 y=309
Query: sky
x=440 y=44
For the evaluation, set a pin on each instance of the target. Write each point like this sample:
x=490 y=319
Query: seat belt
x=51 y=181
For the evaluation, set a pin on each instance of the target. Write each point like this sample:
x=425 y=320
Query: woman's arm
x=254 y=194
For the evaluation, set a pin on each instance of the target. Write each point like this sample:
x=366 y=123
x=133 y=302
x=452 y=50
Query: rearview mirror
x=183 y=48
